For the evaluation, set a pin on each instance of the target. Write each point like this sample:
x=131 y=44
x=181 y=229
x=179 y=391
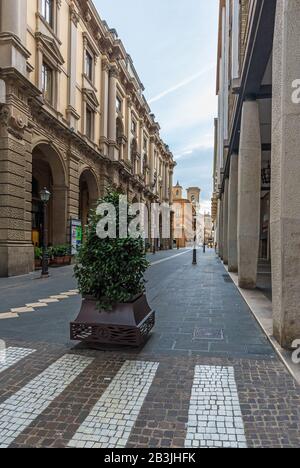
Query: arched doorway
x=88 y=195
x=48 y=171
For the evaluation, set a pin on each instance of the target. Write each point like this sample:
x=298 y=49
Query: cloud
x=195 y=169
x=205 y=143
x=182 y=84
x=205 y=206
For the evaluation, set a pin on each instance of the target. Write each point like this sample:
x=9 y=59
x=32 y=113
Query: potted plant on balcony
x=110 y=274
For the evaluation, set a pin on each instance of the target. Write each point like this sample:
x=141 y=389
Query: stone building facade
x=257 y=163
x=73 y=118
x=186 y=212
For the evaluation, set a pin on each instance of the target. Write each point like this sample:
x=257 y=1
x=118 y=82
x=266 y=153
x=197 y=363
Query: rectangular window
x=89 y=65
x=47 y=83
x=119 y=105
x=47 y=11
x=89 y=123
x=133 y=127
x=145 y=144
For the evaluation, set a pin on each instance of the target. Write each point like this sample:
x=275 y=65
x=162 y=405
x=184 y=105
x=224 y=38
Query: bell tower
x=177 y=192
x=193 y=194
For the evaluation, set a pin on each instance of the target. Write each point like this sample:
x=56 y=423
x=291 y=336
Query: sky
x=173 y=44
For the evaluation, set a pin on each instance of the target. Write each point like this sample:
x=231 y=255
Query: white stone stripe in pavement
x=170 y=258
x=215 y=417
x=11 y=356
x=20 y=410
x=14 y=313
x=111 y=420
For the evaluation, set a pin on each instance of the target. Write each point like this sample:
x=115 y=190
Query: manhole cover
x=212 y=334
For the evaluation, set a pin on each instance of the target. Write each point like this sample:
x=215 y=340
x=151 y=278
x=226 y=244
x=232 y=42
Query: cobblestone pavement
x=207 y=377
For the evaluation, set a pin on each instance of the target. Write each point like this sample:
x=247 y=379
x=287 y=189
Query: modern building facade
x=73 y=118
x=257 y=163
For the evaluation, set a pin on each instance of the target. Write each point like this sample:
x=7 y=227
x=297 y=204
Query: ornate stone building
x=185 y=212
x=257 y=163
x=73 y=118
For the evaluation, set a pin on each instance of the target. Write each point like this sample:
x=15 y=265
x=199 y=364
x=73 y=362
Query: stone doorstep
x=8 y=315
x=261 y=308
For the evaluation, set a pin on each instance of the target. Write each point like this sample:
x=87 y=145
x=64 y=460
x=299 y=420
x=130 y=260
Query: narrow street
x=207 y=377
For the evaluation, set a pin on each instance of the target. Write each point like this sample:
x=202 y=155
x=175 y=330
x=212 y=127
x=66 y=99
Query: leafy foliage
x=59 y=251
x=38 y=253
x=110 y=270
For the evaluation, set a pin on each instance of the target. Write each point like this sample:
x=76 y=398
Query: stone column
x=167 y=183
x=171 y=173
x=112 y=128
x=104 y=105
x=220 y=224
x=217 y=237
x=112 y=114
x=13 y=18
x=232 y=214
x=141 y=146
x=71 y=111
x=225 y=223
x=249 y=194
x=129 y=110
x=152 y=157
x=13 y=31
x=285 y=190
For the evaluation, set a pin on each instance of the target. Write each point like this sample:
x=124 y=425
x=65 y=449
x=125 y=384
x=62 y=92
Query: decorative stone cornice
x=105 y=64
x=20 y=81
x=4 y=115
x=114 y=72
x=9 y=38
x=74 y=15
x=15 y=123
x=49 y=45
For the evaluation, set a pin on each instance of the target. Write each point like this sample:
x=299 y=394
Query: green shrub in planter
x=110 y=270
x=60 y=251
x=38 y=253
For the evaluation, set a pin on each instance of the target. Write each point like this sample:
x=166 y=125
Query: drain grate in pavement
x=227 y=279
x=211 y=334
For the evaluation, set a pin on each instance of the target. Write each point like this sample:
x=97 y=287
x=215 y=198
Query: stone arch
x=48 y=170
x=89 y=193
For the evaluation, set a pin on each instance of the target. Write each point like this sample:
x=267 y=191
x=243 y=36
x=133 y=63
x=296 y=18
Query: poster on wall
x=76 y=235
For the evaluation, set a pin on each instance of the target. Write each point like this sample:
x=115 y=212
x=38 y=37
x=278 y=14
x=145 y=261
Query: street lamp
x=195 y=242
x=45 y=197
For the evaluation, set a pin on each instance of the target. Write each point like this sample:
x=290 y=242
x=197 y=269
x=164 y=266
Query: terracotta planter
x=67 y=260
x=127 y=324
x=58 y=260
x=38 y=264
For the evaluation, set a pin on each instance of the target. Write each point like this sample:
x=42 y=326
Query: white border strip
x=170 y=258
x=110 y=422
x=215 y=416
x=261 y=308
x=22 y=408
